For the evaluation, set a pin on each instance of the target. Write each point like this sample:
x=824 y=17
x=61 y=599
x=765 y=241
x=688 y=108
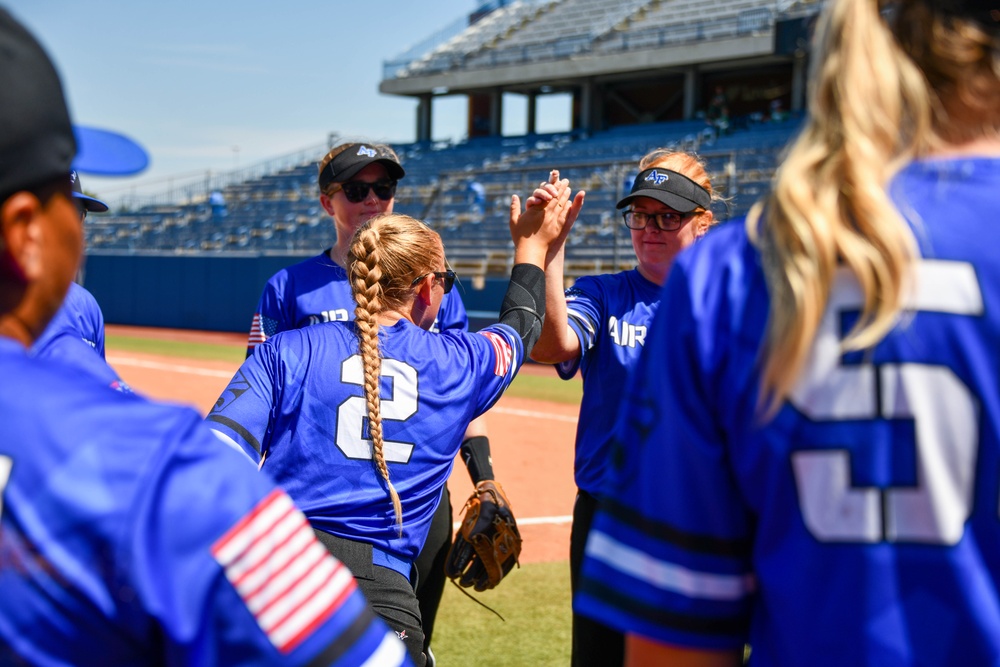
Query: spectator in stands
x=776 y=111
x=717 y=114
x=599 y=326
x=357 y=181
x=810 y=445
x=124 y=524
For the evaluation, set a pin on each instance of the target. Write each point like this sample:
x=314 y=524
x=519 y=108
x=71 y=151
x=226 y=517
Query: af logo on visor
x=657 y=178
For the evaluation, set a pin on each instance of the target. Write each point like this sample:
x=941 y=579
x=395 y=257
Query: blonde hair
x=332 y=187
x=879 y=98
x=387 y=253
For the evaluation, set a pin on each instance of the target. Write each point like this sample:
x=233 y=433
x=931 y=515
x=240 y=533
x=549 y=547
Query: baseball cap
x=668 y=187
x=89 y=203
x=356 y=157
x=36 y=136
x=37 y=141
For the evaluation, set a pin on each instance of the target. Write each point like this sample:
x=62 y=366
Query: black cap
x=36 y=137
x=668 y=187
x=89 y=203
x=356 y=157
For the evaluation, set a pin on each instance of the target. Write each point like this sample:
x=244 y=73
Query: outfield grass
x=534 y=600
x=175 y=348
x=525 y=386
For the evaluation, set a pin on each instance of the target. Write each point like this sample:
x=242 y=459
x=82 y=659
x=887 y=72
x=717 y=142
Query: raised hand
x=545 y=223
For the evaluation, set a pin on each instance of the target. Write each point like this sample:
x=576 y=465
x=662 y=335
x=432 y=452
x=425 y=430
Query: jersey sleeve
x=584 y=308
x=68 y=348
x=242 y=415
x=234 y=572
x=452 y=315
x=497 y=352
x=668 y=556
x=270 y=317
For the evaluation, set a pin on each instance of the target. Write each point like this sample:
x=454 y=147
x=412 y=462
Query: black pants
x=389 y=593
x=430 y=564
x=594 y=644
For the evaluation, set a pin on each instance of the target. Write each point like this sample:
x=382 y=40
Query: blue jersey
x=129 y=535
x=860 y=525
x=75 y=336
x=317 y=290
x=81 y=315
x=299 y=402
x=610 y=314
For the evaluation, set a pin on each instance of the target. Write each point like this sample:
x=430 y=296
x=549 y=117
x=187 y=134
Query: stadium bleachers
x=281 y=212
x=463 y=189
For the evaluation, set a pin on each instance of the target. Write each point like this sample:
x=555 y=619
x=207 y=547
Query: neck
x=981 y=147
x=654 y=274
x=338 y=256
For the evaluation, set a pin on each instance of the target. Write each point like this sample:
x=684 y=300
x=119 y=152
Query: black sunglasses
x=357 y=191
x=448 y=276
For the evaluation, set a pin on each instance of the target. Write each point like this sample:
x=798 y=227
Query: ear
x=703 y=223
x=424 y=289
x=20 y=238
x=327 y=204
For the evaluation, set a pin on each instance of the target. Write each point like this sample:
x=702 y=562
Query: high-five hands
x=544 y=224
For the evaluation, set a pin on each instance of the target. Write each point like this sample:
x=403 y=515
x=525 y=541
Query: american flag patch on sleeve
x=502 y=352
x=257 y=335
x=286 y=578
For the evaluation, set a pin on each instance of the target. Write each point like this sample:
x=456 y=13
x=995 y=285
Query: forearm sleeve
x=523 y=306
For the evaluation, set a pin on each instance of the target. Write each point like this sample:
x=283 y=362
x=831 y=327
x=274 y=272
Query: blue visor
x=106 y=153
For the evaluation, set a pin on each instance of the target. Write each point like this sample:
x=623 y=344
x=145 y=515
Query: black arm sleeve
x=476 y=454
x=523 y=305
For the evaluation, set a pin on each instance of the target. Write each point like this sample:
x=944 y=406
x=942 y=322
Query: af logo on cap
x=370 y=152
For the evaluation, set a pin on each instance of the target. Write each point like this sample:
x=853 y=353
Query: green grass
x=175 y=348
x=534 y=600
x=542 y=388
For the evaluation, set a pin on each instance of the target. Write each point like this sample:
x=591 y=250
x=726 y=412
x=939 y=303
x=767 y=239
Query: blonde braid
x=366 y=275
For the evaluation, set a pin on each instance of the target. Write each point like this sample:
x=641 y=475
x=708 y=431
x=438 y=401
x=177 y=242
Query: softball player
x=599 y=326
x=103 y=560
x=357 y=181
x=809 y=449
x=316 y=406
x=76 y=332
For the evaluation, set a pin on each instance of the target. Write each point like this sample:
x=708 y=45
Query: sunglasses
x=665 y=222
x=448 y=276
x=357 y=191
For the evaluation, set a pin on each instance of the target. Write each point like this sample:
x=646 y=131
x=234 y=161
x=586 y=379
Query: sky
x=215 y=85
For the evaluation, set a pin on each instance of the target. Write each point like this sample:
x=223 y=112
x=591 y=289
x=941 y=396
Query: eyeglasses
x=448 y=276
x=81 y=211
x=666 y=222
x=357 y=191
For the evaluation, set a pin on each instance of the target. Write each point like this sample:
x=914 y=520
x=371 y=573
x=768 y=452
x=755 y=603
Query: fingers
x=574 y=209
x=515 y=207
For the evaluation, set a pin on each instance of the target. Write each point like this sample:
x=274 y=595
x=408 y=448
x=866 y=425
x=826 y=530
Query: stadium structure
x=724 y=78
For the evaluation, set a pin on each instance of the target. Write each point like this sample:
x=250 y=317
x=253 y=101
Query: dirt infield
x=532 y=441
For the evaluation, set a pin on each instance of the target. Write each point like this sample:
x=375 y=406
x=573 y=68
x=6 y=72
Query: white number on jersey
x=6 y=463
x=943 y=409
x=352 y=413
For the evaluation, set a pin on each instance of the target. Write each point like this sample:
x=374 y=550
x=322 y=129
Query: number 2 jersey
x=860 y=525
x=316 y=290
x=299 y=403
x=129 y=535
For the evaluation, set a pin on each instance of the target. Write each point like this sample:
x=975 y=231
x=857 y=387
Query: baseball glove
x=487 y=544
